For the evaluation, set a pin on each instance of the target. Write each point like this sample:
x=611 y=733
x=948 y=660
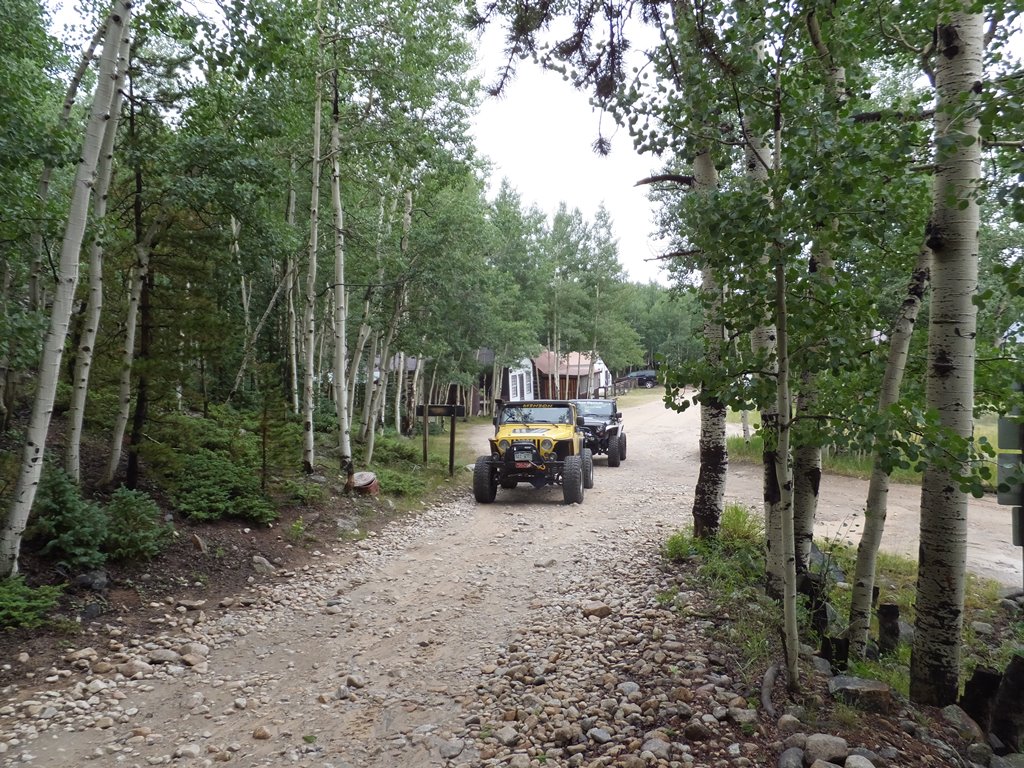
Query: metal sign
x=1011 y=433
x=441 y=410
x=1008 y=472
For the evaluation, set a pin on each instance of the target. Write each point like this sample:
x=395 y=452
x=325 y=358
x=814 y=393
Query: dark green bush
x=67 y=526
x=23 y=606
x=304 y=492
x=211 y=486
x=389 y=450
x=134 y=528
x=398 y=483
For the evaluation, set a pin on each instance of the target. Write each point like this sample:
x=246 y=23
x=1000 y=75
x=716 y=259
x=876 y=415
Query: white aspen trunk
x=784 y=480
x=365 y=327
x=63 y=300
x=292 y=332
x=380 y=393
x=235 y=250
x=340 y=310
x=763 y=340
x=953 y=239
x=124 y=396
x=709 y=493
x=433 y=383
x=399 y=389
x=309 y=313
x=496 y=382
x=807 y=456
x=94 y=305
x=368 y=389
x=6 y=278
x=414 y=395
x=878 y=487
x=593 y=345
x=254 y=336
x=745 y=425
x=35 y=290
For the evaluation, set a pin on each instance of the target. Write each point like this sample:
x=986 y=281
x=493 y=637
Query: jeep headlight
x=503 y=446
x=546 y=445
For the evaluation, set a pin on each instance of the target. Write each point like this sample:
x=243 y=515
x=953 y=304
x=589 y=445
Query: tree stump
x=979 y=696
x=888 y=628
x=1007 y=721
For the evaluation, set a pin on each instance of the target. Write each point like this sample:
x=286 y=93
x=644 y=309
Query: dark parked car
x=603 y=429
x=646 y=379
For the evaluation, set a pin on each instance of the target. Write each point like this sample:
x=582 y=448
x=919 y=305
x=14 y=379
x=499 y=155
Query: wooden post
x=426 y=411
x=451 y=449
x=426 y=428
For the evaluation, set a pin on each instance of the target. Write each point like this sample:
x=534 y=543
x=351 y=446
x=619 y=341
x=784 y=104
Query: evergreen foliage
x=25 y=606
x=135 y=528
x=65 y=526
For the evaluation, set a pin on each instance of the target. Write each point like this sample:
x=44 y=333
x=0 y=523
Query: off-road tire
x=622 y=447
x=648 y=384
x=614 y=453
x=485 y=484
x=572 y=480
x=588 y=468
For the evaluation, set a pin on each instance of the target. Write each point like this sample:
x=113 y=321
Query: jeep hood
x=534 y=431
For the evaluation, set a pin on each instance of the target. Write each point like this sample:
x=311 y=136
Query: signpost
x=1010 y=470
x=441 y=410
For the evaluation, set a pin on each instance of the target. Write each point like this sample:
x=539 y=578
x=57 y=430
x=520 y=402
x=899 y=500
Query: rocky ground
x=523 y=633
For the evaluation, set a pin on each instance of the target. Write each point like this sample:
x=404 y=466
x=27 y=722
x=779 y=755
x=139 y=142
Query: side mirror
x=618 y=416
x=494 y=421
x=580 y=421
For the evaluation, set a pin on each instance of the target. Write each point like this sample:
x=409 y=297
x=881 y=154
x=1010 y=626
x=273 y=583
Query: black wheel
x=614 y=455
x=622 y=447
x=648 y=384
x=588 y=468
x=485 y=484
x=508 y=484
x=572 y=480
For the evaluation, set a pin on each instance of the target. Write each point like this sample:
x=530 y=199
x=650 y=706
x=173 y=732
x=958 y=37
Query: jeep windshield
x=596 y=409
x=536 y=414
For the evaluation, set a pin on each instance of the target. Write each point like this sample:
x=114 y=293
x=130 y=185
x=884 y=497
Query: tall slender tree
x=953 y=239
x=117 y=25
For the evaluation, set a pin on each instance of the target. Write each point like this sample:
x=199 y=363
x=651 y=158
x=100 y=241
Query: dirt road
x=385 y=653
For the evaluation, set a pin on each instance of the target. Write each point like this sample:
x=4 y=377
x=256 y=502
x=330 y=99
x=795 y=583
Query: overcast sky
x=540 y=136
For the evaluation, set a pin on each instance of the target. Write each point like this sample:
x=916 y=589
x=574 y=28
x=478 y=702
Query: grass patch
x=730 y=570
x=848 y=465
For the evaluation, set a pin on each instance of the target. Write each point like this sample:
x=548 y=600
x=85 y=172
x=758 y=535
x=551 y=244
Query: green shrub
x=304 y=492
x=397 y=483
x=68 y=527
x=134 y=528
x=23 y=606
x=392 y=450
x=211 y=487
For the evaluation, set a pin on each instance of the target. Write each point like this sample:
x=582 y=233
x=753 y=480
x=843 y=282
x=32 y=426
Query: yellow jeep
x=538 y=442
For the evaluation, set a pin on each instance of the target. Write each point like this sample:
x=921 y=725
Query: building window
x=516 y=386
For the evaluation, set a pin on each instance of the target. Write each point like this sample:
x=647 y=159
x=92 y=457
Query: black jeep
x=603 y=429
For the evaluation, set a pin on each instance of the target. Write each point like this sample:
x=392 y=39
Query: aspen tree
x=309 y=314
x=117 y=25
x=94 y=304
x=953 y=239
